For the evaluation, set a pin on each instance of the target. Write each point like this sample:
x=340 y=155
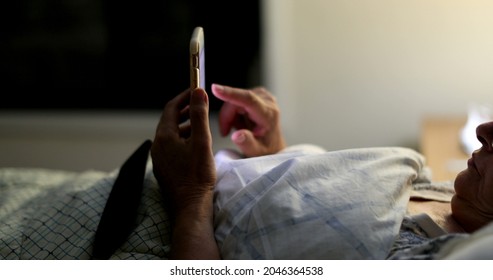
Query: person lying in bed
x=208 y=224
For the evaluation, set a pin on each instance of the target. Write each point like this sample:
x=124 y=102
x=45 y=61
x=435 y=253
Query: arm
x=183 y=164
x=256 y=117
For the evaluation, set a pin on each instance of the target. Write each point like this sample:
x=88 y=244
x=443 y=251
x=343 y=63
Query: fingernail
x=239 y=138
x=218 y=87
x=200 y=94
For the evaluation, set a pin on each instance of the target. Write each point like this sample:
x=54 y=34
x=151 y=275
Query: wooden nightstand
x=440 y=144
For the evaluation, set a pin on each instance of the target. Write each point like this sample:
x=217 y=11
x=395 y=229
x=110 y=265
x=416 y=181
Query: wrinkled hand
x=255 y=118
x=183 y=164
x=182 y=152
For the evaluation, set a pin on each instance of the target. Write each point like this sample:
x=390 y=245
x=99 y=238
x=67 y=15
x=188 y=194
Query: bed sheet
x=303 y=203
x=54 y=214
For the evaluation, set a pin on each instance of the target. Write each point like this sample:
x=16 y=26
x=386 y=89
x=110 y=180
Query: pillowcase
x=305 y=203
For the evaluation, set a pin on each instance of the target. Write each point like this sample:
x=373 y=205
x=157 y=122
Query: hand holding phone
x=197 y=59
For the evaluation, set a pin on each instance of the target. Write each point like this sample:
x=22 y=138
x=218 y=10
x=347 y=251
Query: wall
x=346 y=73
x=72 y=140
x=351 y=73
x=78 y=140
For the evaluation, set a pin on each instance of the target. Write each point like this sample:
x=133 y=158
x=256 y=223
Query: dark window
x=112 y=54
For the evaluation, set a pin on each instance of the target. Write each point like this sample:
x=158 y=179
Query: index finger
x=170 y=117
x=240 y=97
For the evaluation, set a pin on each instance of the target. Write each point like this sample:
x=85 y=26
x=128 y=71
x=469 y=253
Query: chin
x=460 y=176
x=463 y=180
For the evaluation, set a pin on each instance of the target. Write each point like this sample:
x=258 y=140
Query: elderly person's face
x=472 y=206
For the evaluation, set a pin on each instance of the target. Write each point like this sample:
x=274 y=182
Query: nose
x=484 y=133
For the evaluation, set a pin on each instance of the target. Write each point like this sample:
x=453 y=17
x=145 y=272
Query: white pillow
x=306 y=203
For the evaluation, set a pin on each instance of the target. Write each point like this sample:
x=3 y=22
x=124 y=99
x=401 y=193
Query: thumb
x=246 y=142
x=199 y=118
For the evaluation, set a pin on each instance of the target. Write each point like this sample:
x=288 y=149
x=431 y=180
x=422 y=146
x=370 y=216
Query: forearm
x=193 y=232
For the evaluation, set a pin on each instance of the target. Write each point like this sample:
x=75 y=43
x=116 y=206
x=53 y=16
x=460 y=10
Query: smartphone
x=197 y=59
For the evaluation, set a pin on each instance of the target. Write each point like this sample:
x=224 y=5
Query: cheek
x=488 y=181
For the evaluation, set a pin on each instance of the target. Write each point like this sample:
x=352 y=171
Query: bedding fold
x=311 y=204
